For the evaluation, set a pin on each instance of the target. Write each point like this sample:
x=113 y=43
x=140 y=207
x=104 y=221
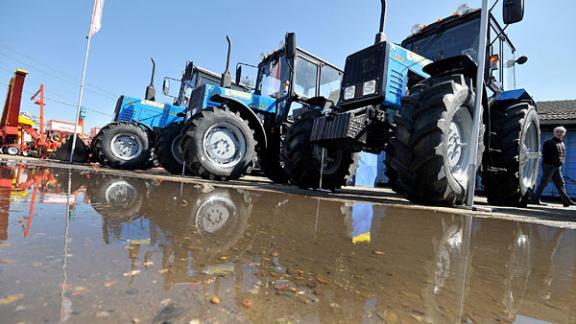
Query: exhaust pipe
x=150 y=91
x=226 y=81
x=381 y=36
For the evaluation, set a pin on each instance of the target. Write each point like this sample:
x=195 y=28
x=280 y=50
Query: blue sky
x=48 y=39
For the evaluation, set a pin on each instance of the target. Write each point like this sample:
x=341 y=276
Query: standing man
x=554 y=156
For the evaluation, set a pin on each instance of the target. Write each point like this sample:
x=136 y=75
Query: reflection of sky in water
x=361 y=222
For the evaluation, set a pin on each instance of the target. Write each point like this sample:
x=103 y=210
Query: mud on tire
x=303 y=159
x=511 y=165
x=232 y=153
x=429 y=157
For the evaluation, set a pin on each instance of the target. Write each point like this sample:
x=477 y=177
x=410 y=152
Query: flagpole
x=91 y=32
x=81 y=96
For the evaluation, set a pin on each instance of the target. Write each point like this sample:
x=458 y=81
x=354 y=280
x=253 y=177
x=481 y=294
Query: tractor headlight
x=349 y=92
x=369 y=88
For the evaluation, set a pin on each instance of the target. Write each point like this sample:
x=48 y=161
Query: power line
x=48 y=66
x=92 y=89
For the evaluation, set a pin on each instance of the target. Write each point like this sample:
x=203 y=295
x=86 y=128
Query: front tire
x=433 y=137
x=304 y=159
x=122 y=145
x=218 y=144
x=512 y=163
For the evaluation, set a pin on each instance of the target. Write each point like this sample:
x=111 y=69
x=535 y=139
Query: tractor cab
x=192 y=78
x=294 y=81
x=459 y=35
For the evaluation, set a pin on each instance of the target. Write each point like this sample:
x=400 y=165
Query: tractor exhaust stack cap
x=150 y=91
x=226 y=78
x=381 y=36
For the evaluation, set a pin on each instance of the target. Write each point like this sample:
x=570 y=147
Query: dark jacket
x=554 y=152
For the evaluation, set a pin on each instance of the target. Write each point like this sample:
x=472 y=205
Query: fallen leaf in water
x=80 y=289
x=65 y=286
x=215 y=300
x=101 y=314
x=6 y=261
x=4 y=245
x=148 y=264
x=109 y=284
x=162 y=271
x=322 y=280
x=10 y=299
x=247 y=303
x=378 y=252
x=223 y=258
x=131 y=273
x=275 y=254
x=37 y=264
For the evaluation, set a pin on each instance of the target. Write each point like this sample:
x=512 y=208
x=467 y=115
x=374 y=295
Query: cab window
x=306 y=79
x=330 y=82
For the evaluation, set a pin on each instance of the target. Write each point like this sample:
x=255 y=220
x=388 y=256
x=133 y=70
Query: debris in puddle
x=109 y=284
x=275 y=253
x=322 y=280
x=11 y=299
x=378 y=253
x=148 y=264
x=168 y=313
x=247 y=303
x=20 y=308
x=101 y=314
x=224 y=258
x=219 y=270
x=215 y=300
x=6 y=261
x=162 y=271
x=4 y=245
x=135 y=320
x=37 y=264
x=131 y=273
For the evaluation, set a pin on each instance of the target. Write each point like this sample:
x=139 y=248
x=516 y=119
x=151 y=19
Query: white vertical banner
x=96 y=23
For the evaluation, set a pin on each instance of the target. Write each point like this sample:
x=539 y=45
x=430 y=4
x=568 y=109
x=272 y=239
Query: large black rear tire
x=168 y=150
x=511 y=165
x=431 y=141
x=218 y=144
x=303 y=159
x=122 y=145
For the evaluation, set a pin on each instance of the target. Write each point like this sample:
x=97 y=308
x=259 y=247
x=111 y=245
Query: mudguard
x=246 y=113
x=458 y=64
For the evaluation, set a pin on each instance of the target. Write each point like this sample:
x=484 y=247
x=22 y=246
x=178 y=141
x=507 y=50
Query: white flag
x=96 y=17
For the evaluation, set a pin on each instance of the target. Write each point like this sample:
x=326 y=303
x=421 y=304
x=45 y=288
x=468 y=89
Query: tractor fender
x=517 y=95
x=247 y=114
x=458 y=64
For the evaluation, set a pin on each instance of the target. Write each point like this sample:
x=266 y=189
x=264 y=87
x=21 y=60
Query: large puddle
x=86 y=247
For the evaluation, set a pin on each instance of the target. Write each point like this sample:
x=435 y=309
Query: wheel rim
x=176 y=150
x=126 y=146
x=214 y=214
x=458 y=145
x=224 y=144
x=332 y=159
x=120 y=194
x=529 y=156
x=12 y=150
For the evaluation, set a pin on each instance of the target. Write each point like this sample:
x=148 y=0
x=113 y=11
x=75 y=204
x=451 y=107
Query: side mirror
x=290 y=46
x=513 y=11
x=238 y=74
x=522 y=60
x=166 y=87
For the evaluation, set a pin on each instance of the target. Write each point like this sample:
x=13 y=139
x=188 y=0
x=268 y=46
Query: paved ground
x=553 y=214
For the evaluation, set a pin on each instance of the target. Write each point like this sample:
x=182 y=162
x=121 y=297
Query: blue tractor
x=421 y=114
x=228 y=132
x=141 y=124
